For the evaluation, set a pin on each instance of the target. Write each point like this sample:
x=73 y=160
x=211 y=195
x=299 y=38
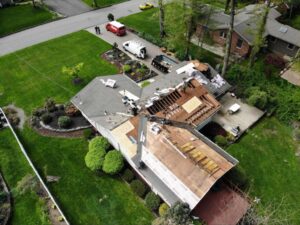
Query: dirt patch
x=49 y=133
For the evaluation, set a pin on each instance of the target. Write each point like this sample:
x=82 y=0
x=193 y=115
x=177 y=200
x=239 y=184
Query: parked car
x=146 y=5
x=116 y=28
x=136 y=48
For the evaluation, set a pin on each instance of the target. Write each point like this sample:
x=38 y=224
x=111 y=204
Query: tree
x=99 y=142
x=161 y=18
x=178 y=214
x=73 y=71
x=94 y=159
x=292 y=4
x=259 y=39
x=113 y=162
x=152 y=201
x=232 y=4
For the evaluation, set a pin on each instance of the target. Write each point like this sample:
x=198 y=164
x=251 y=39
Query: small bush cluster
x=94 y=159
x=46 y=118
x=128 y=175
x=64 y=122
x=127 y=68
x=152 y=201
x=12 y=116
x=163 y=209
x=113 y=162
x=50 y=105
x=99 y=142
x=221 y=141
x=138 y=187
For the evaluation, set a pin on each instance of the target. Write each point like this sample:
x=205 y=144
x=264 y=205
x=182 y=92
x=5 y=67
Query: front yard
x=16 y=18
x=31 y=75
x=267 y=155
x=27 y=208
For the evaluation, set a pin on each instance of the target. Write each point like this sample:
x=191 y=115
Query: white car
x=135 y=48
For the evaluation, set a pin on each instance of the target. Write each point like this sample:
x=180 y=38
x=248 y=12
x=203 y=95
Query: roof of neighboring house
x=194 y=163
x=246 y=22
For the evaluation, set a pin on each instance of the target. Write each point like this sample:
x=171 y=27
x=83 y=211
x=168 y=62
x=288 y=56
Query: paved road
x=65 y=26
x=68 y=7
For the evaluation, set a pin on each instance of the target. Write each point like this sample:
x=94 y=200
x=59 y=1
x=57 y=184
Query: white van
x=135 y=48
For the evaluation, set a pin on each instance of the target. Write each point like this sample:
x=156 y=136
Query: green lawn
x=79 y=190
x=16 y=18
x=147 y=24
x=27 y=78
x=27 y=208
x=103 y=3
x=267 y=155
x=31 y=75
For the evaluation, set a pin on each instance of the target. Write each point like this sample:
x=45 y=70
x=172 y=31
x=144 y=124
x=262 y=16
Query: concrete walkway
x=68 y=7
x=65 y=26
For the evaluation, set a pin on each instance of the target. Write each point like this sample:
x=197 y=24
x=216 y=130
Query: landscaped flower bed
x=116 y=57
x=137 y=71
x=59 y=117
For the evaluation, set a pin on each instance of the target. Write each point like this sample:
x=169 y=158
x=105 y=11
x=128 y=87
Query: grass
x=102 y=3
x=146 y=23
x=16 y=18
x=79 y=190
x=27 y=209
x=267 y=155
x=31 y=75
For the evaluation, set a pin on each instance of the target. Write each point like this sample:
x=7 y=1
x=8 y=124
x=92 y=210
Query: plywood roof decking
x=184 y=105
x=198 y=177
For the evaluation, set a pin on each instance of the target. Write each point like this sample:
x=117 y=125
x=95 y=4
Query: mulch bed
x=49 y=133
x=118 y=61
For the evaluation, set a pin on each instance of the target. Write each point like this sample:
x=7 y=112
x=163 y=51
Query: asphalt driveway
x=67 y=7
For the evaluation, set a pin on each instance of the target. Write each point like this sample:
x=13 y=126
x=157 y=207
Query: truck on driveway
x=136 y=48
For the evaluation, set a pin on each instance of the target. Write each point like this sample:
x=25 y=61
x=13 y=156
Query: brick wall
x=244 y=50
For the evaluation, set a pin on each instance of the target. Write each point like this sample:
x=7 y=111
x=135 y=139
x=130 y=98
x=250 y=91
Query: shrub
x=71 y=110
x=127 y=68
x=221 y=141
x=152 y=201
x=257 y=98
x=99 y=142
x=128 y=175
x=94 y=159
x=38 y=112
x=138 y=187
x=110 y=17
x=113 y=162
x=50 y=105
x=64 y=121
x=46 y=118
x=163 y=208
x=88 y=133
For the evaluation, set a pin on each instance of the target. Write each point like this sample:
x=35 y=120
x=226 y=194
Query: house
x=161 y=142
x=281 y=39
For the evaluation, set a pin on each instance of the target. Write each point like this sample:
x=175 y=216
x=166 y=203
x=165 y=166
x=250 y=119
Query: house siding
x=245 y=49
x=280 y=47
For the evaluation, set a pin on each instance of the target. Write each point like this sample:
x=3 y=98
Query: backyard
x=27 y=208
x=16 y=18
x=103 y=3
x=30 y=76
x=146 y=23
x=267 y=155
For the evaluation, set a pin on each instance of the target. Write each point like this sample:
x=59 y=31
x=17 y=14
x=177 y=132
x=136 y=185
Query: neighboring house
x=162 y=142
x=281 y=39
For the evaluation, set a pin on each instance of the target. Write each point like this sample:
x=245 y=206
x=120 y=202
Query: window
x=223 y=34
x=239 y=43
x=272 y=39
x=290 y=46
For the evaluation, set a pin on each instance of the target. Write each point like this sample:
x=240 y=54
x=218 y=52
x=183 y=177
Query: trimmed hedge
x=113 y=162
x=163 y=209
x=94 y=159
x=99 y=142
x=138 y=187
x=128 y=175
x=64 y=122
x=152 y=201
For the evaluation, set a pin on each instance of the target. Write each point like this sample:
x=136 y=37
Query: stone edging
x=63 y=130
x=6 y=190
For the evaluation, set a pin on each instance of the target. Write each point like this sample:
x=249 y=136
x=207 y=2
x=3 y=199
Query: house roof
x=187 y=163
x=246 y=22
